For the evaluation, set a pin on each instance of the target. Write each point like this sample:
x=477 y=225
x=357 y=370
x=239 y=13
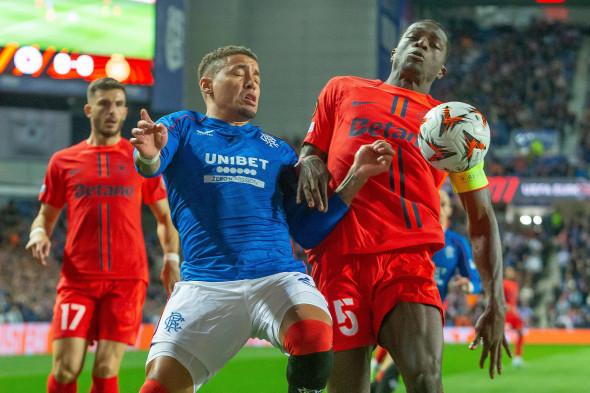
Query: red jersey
x=511 y=293
x=396 y=209
x=103 y=193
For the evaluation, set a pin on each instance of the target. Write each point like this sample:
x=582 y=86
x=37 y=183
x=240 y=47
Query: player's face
x=107 y=111
x=445 y=208
x=236 y=89
x=421 y=52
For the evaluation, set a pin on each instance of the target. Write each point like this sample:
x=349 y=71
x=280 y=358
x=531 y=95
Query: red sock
x=380 y=354
x=308 y=336
x=152 y=386
x=519 y=345
x=55 y=387
x=104 y=385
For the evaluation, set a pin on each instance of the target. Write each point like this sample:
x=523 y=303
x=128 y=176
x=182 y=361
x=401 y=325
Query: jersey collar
x=225 y=128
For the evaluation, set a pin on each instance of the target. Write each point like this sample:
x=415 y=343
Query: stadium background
x=525 y=65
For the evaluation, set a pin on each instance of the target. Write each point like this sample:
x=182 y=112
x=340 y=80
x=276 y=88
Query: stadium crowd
x=503 y=71
x=516 y=88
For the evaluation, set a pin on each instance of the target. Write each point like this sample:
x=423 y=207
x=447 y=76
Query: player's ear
x=87 y=110
x=206 y=86
x=442 y=72
x=392 y=53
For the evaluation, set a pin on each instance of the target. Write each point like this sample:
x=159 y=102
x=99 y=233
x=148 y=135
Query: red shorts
x=99 y=310
x=513 y=319
x=362 y=288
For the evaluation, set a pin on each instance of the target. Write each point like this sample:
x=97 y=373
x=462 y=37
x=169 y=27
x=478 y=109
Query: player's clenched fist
x=374 y=158
x=148 y=137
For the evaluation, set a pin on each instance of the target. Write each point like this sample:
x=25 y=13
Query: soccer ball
x=454 y=137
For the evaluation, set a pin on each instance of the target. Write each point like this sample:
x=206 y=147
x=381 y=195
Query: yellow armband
x=469 y=180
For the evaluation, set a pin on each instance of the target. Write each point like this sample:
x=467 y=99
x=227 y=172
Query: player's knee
x=424 y=376
x=65 y=372
x=308 y=336
x=105 y=368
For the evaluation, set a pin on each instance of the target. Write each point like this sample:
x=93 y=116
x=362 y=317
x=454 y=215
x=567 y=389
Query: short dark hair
x=210 y=65
x=440 y=26
x=105 y=83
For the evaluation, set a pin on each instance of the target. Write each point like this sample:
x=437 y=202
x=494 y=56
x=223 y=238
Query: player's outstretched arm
x=39 y=243
x=149 y=139
x=314 y=177
x=309 y=226
x=487 y=252
x=169 y=240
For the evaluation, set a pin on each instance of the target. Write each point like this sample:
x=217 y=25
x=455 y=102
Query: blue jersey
x=455 y=257
x=225 y=200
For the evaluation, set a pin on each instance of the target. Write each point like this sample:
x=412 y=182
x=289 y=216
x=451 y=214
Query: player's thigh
x=108 y=358
x=412 y=333
x=278 y=301
x=351 y=371
x=119 y=313
x=209 y=320
x=68 y=356
x=170 y=364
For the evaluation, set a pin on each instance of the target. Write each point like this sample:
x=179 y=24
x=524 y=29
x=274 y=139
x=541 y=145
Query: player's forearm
x=311 y=150
x=41 y=225
x=487 y=253
x=46 y=219
x=168 y=236
x=147 y=166
x=351 y=185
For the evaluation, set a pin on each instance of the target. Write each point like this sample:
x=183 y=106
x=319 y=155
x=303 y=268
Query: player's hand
x=39 y=246
x=373 y=159
x=149 y=138
x=489 y=332
x=314 y=178
x=170 y=274
x=462 y=284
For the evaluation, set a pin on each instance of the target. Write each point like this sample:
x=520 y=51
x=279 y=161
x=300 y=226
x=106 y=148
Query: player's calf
x=309 y=344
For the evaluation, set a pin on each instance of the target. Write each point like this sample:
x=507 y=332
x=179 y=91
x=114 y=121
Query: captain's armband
x=469 y=180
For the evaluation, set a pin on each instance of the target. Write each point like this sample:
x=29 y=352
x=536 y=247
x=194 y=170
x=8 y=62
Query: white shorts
x=212 y=321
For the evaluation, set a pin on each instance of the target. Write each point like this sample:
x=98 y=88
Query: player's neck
x=399 y=80
x=100 y=140
x=231 y=120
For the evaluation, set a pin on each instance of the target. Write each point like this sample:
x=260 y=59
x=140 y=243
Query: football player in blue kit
x=232 y=190
x=454 y=269
x=454 y=262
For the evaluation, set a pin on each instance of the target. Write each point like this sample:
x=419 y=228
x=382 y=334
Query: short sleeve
x=153 y=189
x=321 y=128
x=53 y=191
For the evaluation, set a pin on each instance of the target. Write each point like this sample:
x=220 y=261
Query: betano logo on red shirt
x=82 y=190
x=361 y=126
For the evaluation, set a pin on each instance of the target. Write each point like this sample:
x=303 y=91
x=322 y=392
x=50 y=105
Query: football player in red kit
x=375 y=267
x=512 y=318
x=104 y=272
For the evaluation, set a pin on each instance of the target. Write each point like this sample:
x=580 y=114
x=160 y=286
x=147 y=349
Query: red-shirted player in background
x=104 y=272
x=375 y=268
x=512 y=317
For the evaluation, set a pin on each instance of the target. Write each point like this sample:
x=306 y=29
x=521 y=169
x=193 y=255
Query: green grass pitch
x=548 y=369
x=85 y=26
